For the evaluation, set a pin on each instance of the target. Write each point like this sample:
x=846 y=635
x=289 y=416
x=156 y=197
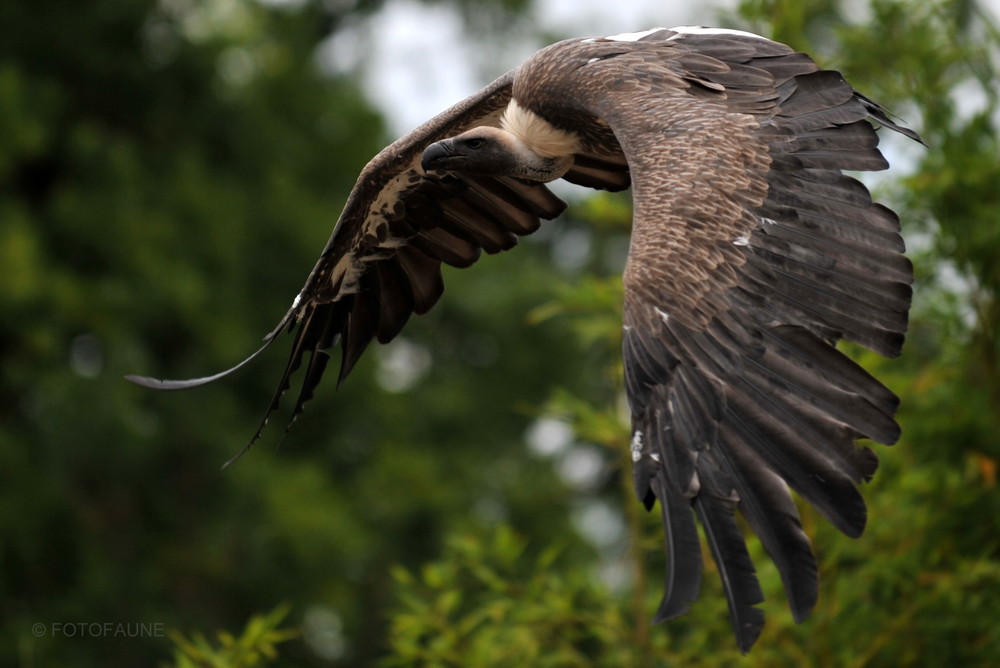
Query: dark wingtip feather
x=163 y=384
x=318 y=327
x=683 y=580
x=293 y=364
x=354 y=342
x=772 y=515
x=160 y=384
x=883 y=117
x=739 y=578
x=317 y=364
x=245 y=449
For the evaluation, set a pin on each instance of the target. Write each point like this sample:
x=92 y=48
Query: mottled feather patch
x=388 y=207
x=374 y=241
x=537 y=133
x=636 y=446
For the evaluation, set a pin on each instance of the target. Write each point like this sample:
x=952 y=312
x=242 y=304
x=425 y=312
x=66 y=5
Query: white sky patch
x=237 y=66
x=970 y=99
x=86 y=356
x=401 y=365
x=581 y=467
x=580 y=18
x=600 y=523
x=413 y=58
x=548 y=436
x=616 y=573
x=416 y=60
x=323 y=631
x=991 y=7
x=572 y=249
x=490 y=510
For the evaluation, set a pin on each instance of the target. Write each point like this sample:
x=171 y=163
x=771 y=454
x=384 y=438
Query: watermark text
x=99 y=629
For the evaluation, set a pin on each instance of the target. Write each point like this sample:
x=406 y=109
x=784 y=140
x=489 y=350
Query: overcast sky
x=417 y=60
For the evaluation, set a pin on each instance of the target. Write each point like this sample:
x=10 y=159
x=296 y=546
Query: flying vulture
x=752 y=254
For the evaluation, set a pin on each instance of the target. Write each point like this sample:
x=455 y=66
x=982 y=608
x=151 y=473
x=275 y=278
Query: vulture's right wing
x=751 y=255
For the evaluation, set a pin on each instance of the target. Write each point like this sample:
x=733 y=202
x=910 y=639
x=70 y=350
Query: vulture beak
x=435 y=153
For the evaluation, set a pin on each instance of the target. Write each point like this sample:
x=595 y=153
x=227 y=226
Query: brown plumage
x=752 y=253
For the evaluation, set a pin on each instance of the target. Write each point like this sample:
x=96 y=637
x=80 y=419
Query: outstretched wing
x=752 y=253
x=383 y=260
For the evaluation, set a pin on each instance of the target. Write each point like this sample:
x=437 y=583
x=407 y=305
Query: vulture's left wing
x=383 y=260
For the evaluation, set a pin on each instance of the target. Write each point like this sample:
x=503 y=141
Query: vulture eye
x=475 y=142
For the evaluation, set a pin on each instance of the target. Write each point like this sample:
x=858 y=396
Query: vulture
x=752 y=254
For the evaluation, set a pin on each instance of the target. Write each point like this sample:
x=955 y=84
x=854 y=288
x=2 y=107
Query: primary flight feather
x=752 y=254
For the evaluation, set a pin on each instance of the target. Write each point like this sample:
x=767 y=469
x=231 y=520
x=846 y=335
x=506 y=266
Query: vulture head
x=494 y=152
x=525 y=146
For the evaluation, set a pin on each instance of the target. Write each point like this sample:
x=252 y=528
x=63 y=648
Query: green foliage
x=256 y=646
x=168 y=173
x=488 y=602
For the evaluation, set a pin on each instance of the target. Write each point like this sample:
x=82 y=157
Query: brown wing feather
x=751 y=254
x=383 y=260
x=401 y=224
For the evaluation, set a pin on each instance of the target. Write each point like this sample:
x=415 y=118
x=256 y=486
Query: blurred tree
x=168 y=172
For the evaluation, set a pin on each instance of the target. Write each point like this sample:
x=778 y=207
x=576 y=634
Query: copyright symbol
x=38 y=629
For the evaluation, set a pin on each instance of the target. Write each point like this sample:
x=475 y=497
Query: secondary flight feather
x=752 y=254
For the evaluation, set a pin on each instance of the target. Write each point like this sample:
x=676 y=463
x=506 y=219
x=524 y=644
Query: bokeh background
x=169 y=172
